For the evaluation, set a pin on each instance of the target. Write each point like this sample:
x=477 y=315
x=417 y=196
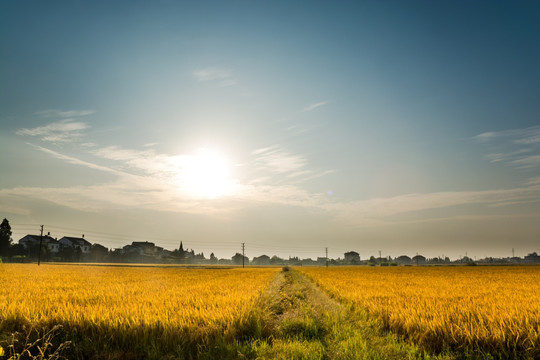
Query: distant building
x=308 y=261
x=419 y=260
x=352 y=257
x=532 y=258
x=142 y=248
x=261 y=260
x=76 y=243
x=404 y=260
x=33 y=240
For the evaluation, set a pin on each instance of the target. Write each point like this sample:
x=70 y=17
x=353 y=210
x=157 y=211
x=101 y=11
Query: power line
x=212 y=245
x=306 y=250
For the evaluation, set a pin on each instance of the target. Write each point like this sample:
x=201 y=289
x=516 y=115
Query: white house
x=53 y=245
x=75 y=242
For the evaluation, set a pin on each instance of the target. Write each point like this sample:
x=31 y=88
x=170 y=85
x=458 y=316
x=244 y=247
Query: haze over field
x=291 y=126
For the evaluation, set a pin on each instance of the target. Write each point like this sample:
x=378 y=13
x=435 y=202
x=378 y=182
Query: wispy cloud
x=147 y=162
x=314 y=106
x=380 y=211
x=76 y=161
x=222 y=77
x=61 y=131
x=530 y=135
x=279 y=165
x=532 y=161
x=274 y=159
x=53 y=113
x=517 y=147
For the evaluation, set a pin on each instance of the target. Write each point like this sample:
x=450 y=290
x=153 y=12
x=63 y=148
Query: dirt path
x=306 y=323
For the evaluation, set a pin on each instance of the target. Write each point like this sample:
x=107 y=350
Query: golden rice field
x=123 y=312
x=465 y=309
x=131 y=307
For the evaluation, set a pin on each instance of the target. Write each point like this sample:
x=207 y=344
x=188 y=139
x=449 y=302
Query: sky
x=405 y=127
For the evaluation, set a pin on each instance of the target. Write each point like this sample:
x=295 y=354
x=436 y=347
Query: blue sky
x=401 y=127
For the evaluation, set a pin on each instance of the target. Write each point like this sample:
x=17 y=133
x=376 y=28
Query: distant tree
x=98 y=252
x=17 y=250
x=67 y=253
x=213 y=259
x=275 y=260
x=115 y=256
x=5 y=237
x=237 y=259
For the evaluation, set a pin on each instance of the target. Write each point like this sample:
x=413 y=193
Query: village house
x=352 y=257
x=404 y=260
x=52 y=244
x=76 y=243
x=532 y=258
x=143 y=248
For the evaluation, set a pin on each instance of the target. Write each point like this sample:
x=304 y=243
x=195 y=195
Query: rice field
x=122 y=312
x=468 y=310
x=172 y=308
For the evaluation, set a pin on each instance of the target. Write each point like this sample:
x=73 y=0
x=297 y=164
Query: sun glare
x=206 y=174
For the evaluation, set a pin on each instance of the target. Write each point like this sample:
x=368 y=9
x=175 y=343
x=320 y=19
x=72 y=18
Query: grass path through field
x=306 y=323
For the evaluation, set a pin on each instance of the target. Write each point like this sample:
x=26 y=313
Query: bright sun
x=206 y=174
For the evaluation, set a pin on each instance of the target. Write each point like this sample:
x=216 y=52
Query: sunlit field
x=140 y=308
x=131 y=312
x=466 y=309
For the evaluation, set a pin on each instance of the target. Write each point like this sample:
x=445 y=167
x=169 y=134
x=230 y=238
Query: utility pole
x=379 y=257
x=243 y=249
x=326 y=257
x=513 y=252
x=40 y=242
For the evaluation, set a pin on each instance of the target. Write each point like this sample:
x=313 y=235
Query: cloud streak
x=62 y=131
x=380 y=209
x=275 y=164
x=274 y=159
x=517 y=147
x=53 y=113
x=75 y=161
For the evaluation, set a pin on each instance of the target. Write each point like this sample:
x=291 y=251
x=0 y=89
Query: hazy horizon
x=401 y=127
